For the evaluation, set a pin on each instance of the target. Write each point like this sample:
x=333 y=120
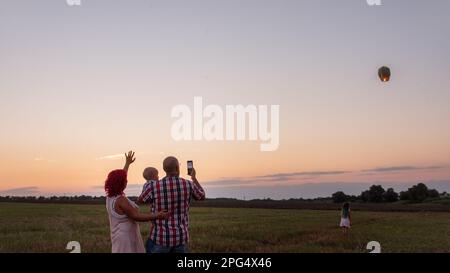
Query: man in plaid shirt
x=172 y=194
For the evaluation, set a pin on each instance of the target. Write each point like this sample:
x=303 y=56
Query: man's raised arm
x=198 y=191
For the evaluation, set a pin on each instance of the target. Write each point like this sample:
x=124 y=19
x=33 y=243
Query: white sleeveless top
x=125 y=233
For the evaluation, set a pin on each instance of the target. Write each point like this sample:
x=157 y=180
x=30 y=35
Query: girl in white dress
x=346 y=219
x=124 y=213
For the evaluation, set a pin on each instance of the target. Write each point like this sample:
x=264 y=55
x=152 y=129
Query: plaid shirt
x=173 y=194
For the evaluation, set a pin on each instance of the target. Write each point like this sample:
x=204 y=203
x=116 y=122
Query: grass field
x=49 y=227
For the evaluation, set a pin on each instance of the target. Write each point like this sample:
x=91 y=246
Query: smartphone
x=190 y=166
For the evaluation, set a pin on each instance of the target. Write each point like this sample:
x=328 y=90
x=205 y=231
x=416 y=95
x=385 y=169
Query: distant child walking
x=346 y=219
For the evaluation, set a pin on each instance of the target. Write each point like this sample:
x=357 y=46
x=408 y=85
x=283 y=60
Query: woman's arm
x=133 y=213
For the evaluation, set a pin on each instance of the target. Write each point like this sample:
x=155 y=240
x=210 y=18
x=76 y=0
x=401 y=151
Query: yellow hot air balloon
x=384 y=73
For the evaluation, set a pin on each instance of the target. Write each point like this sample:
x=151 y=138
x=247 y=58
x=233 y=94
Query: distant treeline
x=82 y=199
x=376 y=194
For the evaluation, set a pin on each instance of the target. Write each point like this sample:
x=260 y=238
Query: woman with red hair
x=124 y=213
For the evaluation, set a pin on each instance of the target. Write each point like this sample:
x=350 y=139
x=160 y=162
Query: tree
x=365 y=196
x=374 y=194
x=404 y=196
x=352 y=198
x=390 y=196
x=339 y=197
x=418 y=193
x=433 y=193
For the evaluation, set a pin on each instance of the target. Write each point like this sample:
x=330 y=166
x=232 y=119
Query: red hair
x=116 y=183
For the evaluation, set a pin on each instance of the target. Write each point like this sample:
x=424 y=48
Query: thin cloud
x=41 y=159
x=230 y=182
x=254 y=182
x=110 y=157
x=297 y=174
x=401 y=169
x=129 y=186
x=278 y=177
x=24 y=191
x=122 y=155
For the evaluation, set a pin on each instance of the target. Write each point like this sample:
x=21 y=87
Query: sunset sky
x=81 y=85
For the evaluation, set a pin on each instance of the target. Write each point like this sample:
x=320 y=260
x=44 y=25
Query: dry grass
x=48 y=228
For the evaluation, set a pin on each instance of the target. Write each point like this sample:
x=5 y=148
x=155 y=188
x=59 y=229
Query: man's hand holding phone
x=190 y=168
x=193 y=173
x=199 y=192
